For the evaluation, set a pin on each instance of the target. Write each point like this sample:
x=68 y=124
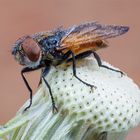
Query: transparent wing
x=91 y=33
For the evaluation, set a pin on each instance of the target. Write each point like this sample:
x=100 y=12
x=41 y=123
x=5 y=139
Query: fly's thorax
x=27 y=51
x=49 y=46
x=50 y=43
x=52 y=57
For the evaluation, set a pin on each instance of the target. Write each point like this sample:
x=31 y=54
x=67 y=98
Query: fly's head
x=27 y=51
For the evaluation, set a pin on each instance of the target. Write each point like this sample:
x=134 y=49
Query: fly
x=44 y=49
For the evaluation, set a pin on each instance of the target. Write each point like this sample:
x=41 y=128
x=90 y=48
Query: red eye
x=31 y=49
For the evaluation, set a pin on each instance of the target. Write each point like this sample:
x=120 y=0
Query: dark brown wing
x=90 y=36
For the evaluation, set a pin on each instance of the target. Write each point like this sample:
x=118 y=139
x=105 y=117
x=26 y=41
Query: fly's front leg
x=104 y=66
x=25 y=70
x=74 y=71
x=45 y=72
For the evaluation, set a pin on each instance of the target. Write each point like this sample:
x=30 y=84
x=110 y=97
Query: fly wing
x=91 y=34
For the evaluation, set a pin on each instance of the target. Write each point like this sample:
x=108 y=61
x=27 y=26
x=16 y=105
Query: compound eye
x=31 y=49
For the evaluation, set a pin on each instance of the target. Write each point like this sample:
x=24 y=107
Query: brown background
x=18 y=18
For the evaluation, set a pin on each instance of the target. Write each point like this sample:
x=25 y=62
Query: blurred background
x=24 y=17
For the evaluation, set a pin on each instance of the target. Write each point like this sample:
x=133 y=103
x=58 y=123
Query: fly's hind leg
x=104 y=66
x=74 y=70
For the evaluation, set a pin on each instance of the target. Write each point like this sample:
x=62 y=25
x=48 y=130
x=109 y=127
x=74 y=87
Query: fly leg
x=40 y=80
x=25 y=70
x=74 y=71
x=104 y=66
x=45 y=72
x=81 y=56
x=98 y=59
